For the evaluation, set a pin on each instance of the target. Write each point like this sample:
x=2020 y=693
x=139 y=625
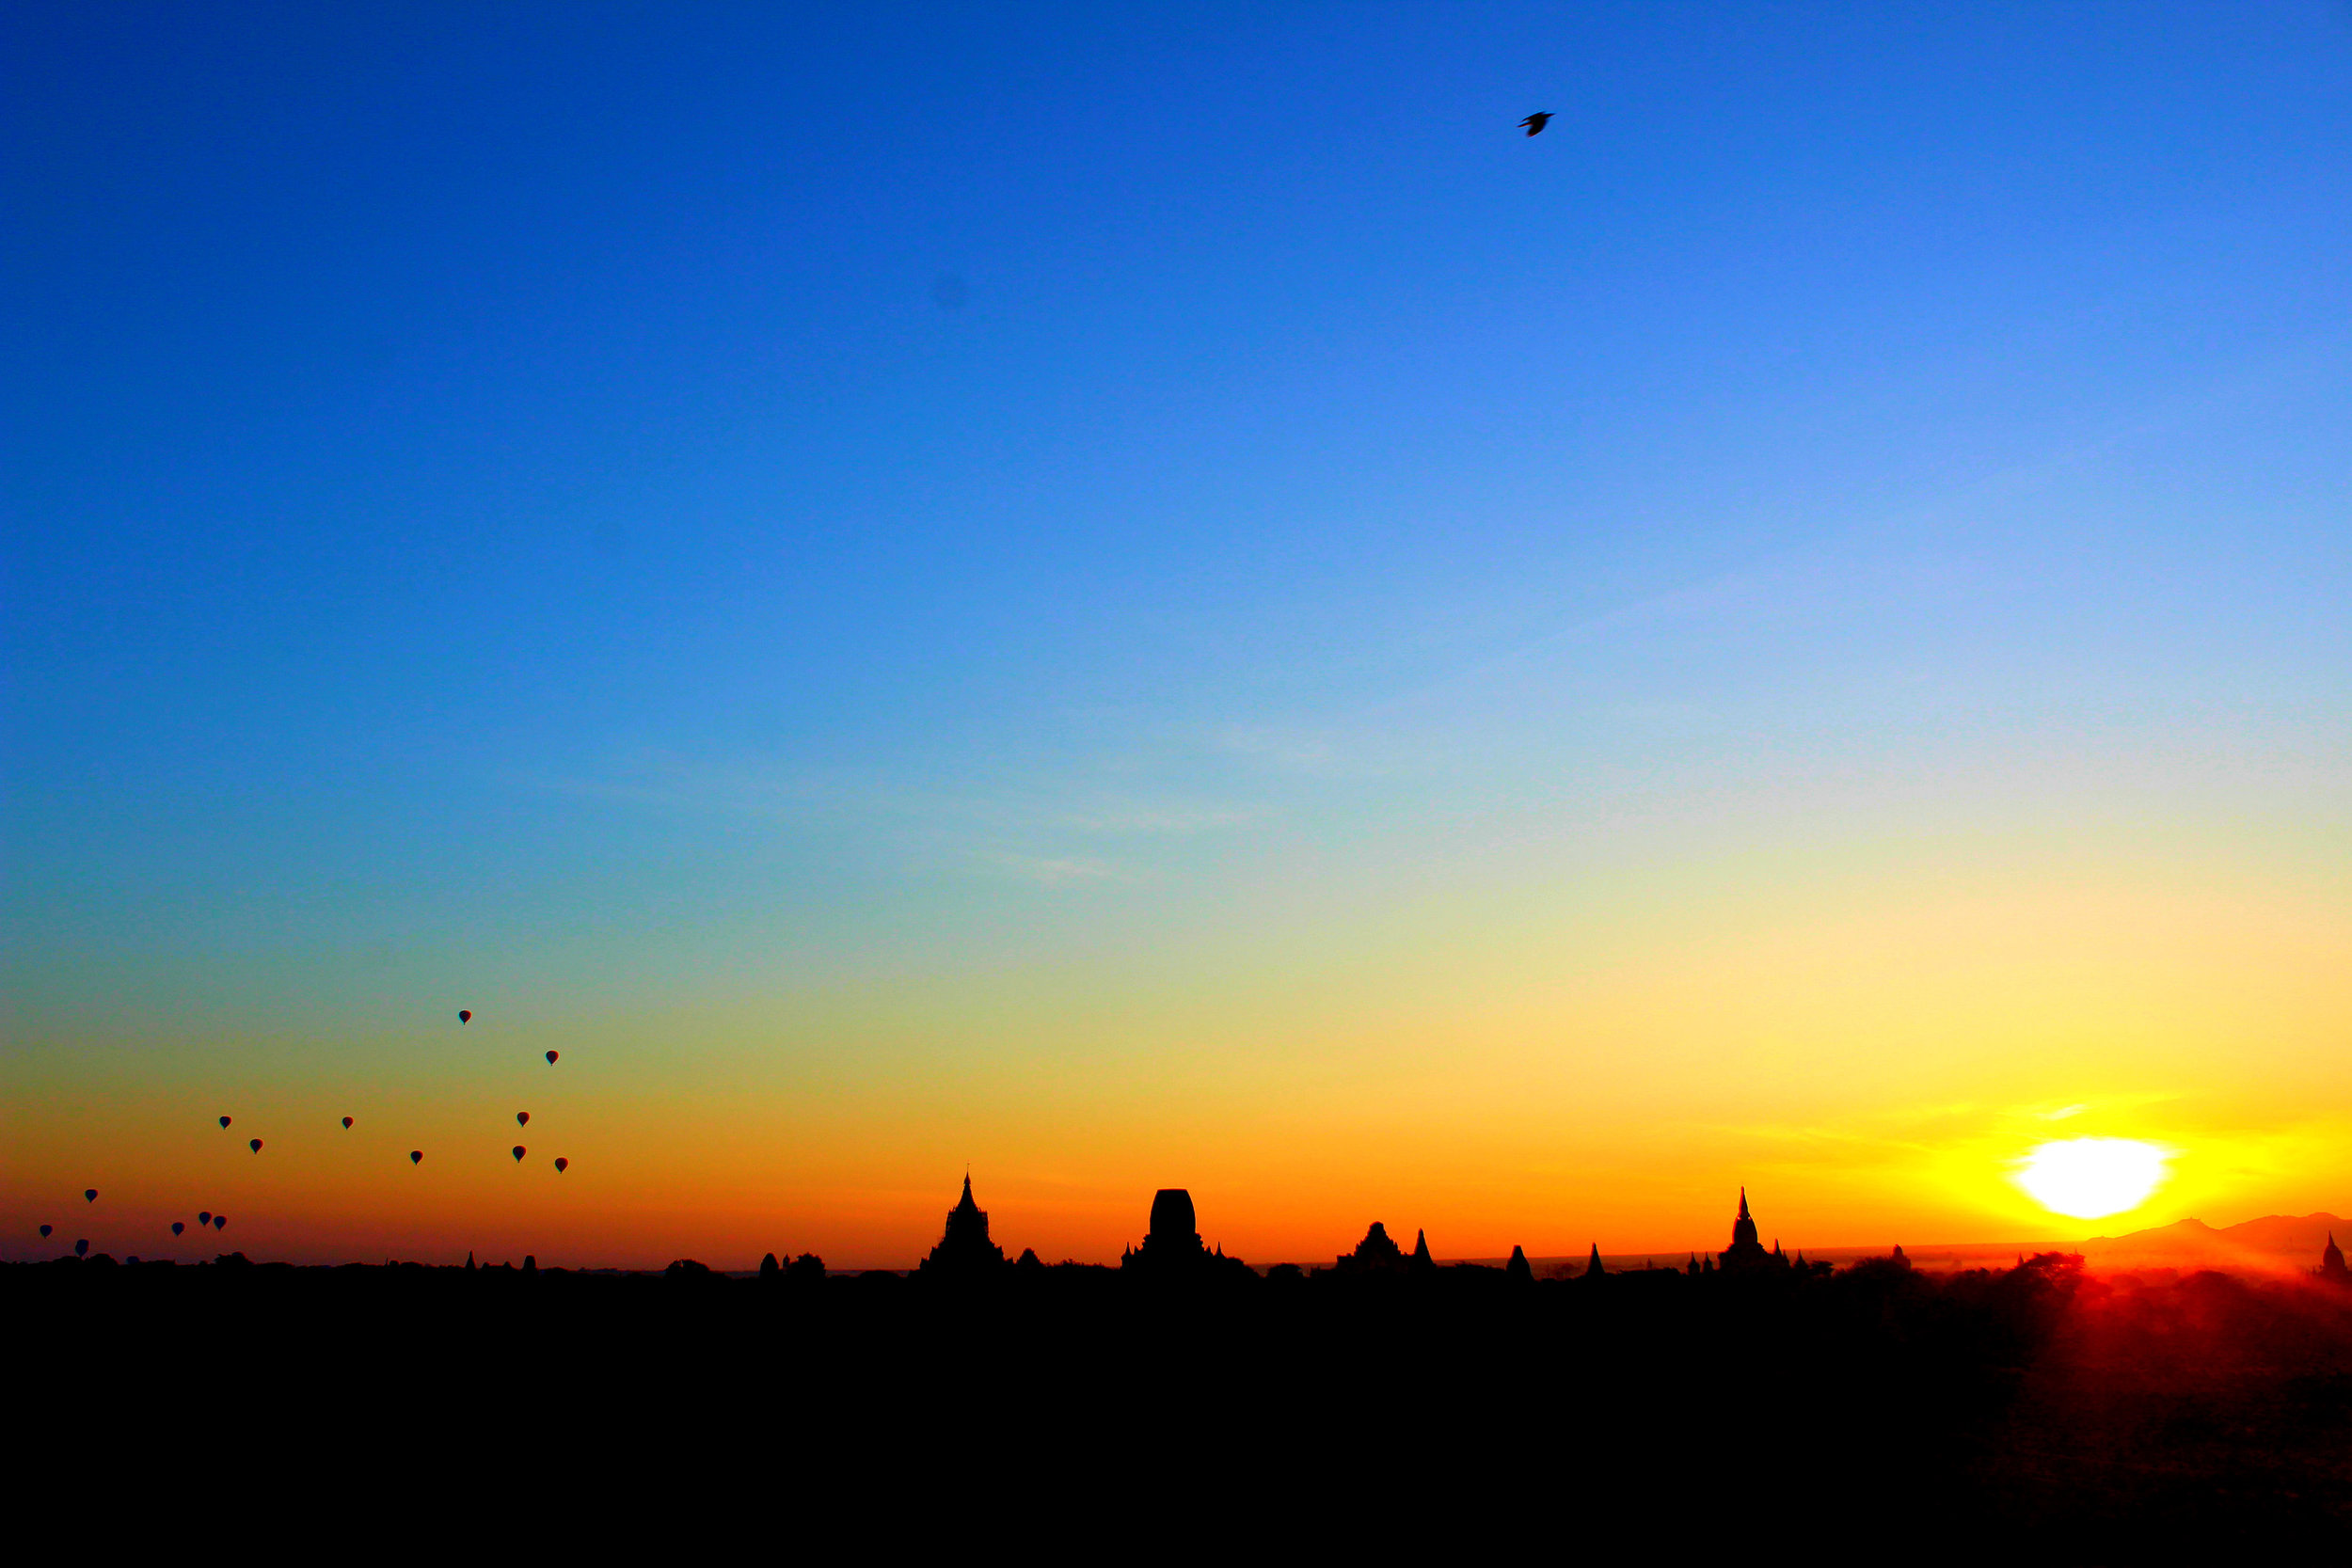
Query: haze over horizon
x=1145 y=601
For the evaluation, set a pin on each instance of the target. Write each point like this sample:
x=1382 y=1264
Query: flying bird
x=1536 y=122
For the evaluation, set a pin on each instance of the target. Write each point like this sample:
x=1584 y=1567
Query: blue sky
x=640 y=503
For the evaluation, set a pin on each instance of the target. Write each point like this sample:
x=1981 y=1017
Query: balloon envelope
x=346 y=1124
x=221 y=1222
x=520 y=1151
x=561 y=1161
x=203 y=1219
x=81 y=1246
x=551 y=1058
x=255 y=1146
x=44 y=1231
x=224 y=1121
x=522 y=1118
x=178 y=1225
x=91 y=1197
x=464 y=1016
x=416 y=1156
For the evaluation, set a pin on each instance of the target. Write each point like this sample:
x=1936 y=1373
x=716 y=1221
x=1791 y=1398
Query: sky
x=1122 y=597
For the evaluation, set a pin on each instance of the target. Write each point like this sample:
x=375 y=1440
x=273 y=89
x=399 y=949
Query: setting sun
x=2089 y=1178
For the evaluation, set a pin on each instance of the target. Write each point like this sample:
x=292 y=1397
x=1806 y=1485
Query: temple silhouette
x=1376 y=1254
x=1172 y=1249
x=964 y=1249
x=1747 y=1254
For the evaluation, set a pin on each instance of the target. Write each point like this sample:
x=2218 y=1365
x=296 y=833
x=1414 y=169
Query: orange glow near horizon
x=1872 y=1064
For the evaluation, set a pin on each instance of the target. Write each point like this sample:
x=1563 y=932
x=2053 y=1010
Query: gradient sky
x=1134 y=599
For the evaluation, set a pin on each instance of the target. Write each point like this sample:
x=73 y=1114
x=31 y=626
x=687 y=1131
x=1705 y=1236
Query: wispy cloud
x=1166 y=820
x=1296 y=750
x=761 y=790
x=1049 y=871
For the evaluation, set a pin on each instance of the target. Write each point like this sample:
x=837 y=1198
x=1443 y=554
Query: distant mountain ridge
x=2273 y=1242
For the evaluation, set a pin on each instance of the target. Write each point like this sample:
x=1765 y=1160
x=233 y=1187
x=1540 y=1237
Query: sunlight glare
x=2089 y=1178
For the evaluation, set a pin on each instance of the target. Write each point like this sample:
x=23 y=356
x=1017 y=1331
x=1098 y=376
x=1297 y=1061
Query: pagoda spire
x=964 y=1244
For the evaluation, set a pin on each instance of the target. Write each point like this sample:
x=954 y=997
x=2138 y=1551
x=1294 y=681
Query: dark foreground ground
x=2029 y=1412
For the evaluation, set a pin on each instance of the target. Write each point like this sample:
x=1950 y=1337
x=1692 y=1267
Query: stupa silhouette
x=964 y=1249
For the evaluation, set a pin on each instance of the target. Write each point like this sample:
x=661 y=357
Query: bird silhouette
x=1536 y=122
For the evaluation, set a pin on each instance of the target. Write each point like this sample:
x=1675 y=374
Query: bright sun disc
x=2093 y=1178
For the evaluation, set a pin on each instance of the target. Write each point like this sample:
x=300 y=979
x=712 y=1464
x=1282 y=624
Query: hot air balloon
x=560 y=1163
x=346 y=1124
x=179 y=1226
x=522 y=1118
x=44 y=1231
x=520 y=1153
x=416 y=1156
x=221 y=1222
x=551 y=1058
x=90 y=1195
x=203 y=1219
x=224 y=1121
x=255 y=1146
x=464 y=1016
x=81 y=1248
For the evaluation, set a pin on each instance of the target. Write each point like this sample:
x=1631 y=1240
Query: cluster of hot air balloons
x=522 y=1118
x=90 y=1194
x=208 y=1220
x=81 y=1247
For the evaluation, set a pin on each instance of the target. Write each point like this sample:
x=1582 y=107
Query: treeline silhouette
x=1732 y=1412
